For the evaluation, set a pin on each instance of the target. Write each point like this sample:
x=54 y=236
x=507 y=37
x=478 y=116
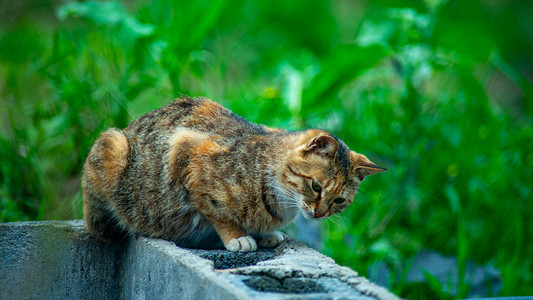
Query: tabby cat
x=195 y=173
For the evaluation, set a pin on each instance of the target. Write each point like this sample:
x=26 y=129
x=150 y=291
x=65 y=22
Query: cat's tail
x=101 y=174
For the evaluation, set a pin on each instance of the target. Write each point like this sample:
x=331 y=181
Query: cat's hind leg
x=99 y=220
x=101 y=174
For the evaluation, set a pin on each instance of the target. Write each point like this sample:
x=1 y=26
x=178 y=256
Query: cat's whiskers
x=285 y=198
x=283 y=191
x=288 y=200
x=338 y=221
x=334 y=222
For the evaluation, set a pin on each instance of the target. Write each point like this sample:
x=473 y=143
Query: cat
x=195 y=173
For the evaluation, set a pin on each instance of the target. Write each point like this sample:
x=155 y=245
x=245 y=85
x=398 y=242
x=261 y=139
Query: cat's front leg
x=270 y=239
x=234 y=238
x=242 y=244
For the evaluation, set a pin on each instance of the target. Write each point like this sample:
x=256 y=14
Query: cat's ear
x=364 y=167
x=323 y=145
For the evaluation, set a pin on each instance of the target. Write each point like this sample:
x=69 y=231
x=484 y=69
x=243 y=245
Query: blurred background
x=438 y=92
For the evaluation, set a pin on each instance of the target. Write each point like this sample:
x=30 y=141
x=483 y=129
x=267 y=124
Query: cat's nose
x=318 y=214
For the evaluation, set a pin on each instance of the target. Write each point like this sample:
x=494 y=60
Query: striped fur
x=195 y=173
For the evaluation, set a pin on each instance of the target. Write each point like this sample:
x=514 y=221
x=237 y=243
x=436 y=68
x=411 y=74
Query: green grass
x=438 y=92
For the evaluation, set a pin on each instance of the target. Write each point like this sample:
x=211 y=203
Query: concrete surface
x=60 y=260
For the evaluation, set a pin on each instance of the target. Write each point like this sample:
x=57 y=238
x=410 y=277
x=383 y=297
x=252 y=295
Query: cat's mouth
x=311 y=214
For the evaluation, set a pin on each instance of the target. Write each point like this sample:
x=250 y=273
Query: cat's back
x=200 y=114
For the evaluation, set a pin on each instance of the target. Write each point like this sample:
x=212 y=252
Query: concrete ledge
x=60 y=260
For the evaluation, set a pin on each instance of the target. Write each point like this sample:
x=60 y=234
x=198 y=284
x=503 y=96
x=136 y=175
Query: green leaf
x=105 y=13
x=453 y=199
x=434 y=284
x=343 y=64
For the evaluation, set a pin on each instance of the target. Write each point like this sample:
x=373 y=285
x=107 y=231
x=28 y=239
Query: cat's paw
x=242 y=244
x=271 y=239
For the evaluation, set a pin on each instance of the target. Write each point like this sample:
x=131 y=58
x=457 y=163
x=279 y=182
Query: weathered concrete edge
x=60 y=260
x=56 y=260
x=136 y=261
x=291 y=259
x=147 y=257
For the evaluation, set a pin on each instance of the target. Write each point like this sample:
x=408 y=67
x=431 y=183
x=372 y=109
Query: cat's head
x=324 y=174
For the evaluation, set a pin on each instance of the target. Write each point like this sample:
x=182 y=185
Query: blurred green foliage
x=439 y=92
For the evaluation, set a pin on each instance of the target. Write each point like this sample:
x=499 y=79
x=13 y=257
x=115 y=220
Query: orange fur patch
x=208 y=109
x=207 y=147
x=107 y=160
x=115 y=155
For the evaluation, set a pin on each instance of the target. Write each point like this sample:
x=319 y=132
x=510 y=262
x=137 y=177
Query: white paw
x=242 y=244
x=271 y=239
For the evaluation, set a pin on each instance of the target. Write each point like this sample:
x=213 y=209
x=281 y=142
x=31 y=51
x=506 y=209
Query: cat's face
x=324 y=175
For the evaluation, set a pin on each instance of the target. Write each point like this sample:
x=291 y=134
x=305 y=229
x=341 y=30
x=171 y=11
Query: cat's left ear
x=323 y=145
x=364 y=167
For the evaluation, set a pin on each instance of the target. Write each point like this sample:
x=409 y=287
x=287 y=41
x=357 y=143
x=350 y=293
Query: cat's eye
x=316 y=187
x=339 y=200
